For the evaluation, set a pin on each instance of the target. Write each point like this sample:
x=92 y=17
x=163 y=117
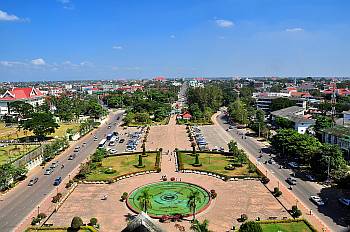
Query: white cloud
x=224 y=23
x=172 y=36
x=67 y=4
x=38 y=61
x=64 y=1
x=117 y=47
x=11 y=63
x=295 y=29
x=8 y=17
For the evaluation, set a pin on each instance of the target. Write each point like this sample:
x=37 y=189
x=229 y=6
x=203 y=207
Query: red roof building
x=186 y=116
x=29 y=95
x=159 y=78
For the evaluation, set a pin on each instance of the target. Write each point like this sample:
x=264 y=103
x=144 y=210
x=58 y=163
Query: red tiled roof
x=300 y=94
x=159 y=78
x=21 y=93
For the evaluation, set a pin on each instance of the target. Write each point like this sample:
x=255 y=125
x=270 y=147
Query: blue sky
x=101 y=39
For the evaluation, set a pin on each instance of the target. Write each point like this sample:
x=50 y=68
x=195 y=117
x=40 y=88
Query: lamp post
x=38 y=210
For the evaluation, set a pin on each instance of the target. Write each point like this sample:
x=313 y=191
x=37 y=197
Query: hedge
x=34 y=228
x=289 y=221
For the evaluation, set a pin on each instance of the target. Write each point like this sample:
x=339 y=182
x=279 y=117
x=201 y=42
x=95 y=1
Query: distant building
x=159 y=78
x=195 y=84
x=29 y=95
x=185 y=116
x=295 y=114
x=130 y=88
x=264 y=100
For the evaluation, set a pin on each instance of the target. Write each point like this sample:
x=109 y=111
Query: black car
x=33 y=181
x=71 y=157
x=121 y=140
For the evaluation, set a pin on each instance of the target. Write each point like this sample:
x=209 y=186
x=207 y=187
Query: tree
x=76 y=223
x=281 y=103
x=232 y=147
x=322 y=122
x=250 y=226
x=331 y=155
x=200 y=227
x=241 y=157
x=41 y=124
x=238 y=112
x=93 y=221
x=145 y=200
x=23 y=109
x=283 y=123
x=193 y=198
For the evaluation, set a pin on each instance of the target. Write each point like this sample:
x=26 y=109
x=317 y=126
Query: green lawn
x=13 y=133
x=212 y=162
x=122 y=165
x=13 y=152
x=286 y=227
x=59 y=229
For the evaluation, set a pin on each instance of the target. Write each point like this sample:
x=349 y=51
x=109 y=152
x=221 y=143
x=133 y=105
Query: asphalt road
x=19 y=202
x=330 y=213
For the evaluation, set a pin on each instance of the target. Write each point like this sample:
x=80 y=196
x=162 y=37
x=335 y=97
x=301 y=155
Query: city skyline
x=71 y=39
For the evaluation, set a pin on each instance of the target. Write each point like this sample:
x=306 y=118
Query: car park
x=48 y=171
x=291 y=181
x=33 y=181
x=344 y=201
x=72 y=157
x=317 y=200
x=57 y=181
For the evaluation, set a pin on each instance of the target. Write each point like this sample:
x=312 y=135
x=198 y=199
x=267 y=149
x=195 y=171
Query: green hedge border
x=289 y=221
x=180 y=165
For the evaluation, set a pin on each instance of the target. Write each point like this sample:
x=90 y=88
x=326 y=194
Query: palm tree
x=193 y=198
x=145 y=200
x=200 y=227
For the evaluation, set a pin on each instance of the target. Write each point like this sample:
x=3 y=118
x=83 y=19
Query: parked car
x=317 y=200
x=291 y=181
x=57 y=181
x=48 y=171
x=76 y=149
x=121 y=140
x=344 y=201
x=310 y=177
x=72 y=157
x=95 y=138
x=84 y=144
x=33 y=181
x=54 y=164
x=293 y=165
x=113 y=151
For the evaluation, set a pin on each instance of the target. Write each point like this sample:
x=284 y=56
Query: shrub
x=244 y=217
x=277 y=192
x=172 y=178
x=124 y=196
x=35 y=221
x=296 y=212
x=57 y=198
x=69 y=184
x=93 y=222
x=265 y=180
x=77 y=222
x=41 y=216
x=250 y=226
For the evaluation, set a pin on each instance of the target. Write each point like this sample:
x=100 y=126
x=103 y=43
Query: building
x=143 y=223
x=29 y=95
x=339 y=135
x=185 y=116
x=264 y=100
x=294 y=114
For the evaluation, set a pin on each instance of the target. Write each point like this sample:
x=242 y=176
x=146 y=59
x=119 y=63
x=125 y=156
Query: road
x=20 y=201
x=303 y=189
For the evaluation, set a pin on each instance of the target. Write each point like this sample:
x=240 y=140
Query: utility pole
x=329 y=160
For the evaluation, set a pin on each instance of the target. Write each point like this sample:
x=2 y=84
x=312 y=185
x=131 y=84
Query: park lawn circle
x=169 y=198
x=214 y=162
x=286 y=227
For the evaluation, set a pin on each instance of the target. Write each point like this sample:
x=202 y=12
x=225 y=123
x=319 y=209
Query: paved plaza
x=234 y=198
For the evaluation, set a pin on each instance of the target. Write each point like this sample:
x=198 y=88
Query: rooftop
x=339 y=131
x=289 y=111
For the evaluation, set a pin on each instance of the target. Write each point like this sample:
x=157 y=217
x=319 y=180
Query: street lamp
x=38 y=210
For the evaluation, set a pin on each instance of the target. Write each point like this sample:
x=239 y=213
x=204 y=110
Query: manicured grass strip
x=214 y=162
x=13 y=152
x=122 y=165
x=286 y=227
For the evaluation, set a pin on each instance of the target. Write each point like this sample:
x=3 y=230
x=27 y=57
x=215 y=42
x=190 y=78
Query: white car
x=113 y=151
x=344 y=201
x=317 y=200
x=48 y=171
x=293 y=165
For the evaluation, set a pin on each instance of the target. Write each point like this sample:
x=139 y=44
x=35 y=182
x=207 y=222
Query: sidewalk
x=288 y=199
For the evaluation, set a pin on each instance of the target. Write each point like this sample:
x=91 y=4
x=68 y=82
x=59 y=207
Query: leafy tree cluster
x=10 y=173
x=258 y=124
x=281 y=103
x=204 y=101
x=238 y=112
x=41 y=124
x=54 y=148
x=142 y=105
x=290 y=144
